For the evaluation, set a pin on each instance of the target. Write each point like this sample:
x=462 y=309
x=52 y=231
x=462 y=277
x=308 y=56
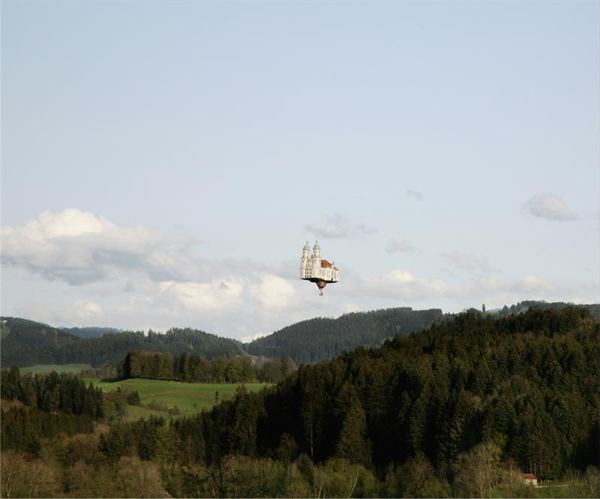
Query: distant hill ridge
x=26 y=343
x=29 y=343
x=319 y=339
x=90 y=332
x=322 y=338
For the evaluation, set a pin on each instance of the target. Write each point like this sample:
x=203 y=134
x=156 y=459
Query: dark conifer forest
x=198 y=369
x=46 y=406
x=526 y=385
x=459 y=409
x=318 y=339
x=26 y=343
x=89 y=332
x=29 y=343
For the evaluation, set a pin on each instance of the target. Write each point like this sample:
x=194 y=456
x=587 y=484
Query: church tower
x=304 y=262
x=316 y=260
x=317 y=250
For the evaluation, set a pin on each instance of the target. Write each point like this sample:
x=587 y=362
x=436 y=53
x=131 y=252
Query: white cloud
x=351 y=307
x=274 y=292
x=76 y=268
x=532 y=284
x=78 y=247
x=142 y=278
x=415 y=194
x=339 y=227
x=550 y=207
x=84 y=309
x=239 y=306
x=218 y=294
x=397 y=284
x=467 y=262
x=403 y=246
x=405 y=288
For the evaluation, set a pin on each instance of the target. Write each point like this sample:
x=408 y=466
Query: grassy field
x=558 y=489
x=189 y=398
x=47 y=368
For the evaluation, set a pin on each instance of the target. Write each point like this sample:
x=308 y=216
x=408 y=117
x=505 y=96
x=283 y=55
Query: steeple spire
x=317 y=250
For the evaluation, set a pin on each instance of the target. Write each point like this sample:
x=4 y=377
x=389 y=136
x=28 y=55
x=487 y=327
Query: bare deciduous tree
x=512 y=477
x=478 y=470
x=592 y=477
x=418 y=470
x=572 y=478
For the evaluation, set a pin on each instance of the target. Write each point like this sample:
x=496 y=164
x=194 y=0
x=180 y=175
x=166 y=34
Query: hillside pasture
x=189 y=398
x=58 y=368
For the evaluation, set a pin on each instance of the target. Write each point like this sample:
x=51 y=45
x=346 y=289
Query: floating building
x=315 y=269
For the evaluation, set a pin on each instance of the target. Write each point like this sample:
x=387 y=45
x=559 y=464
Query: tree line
x=45 y=406
x=27 y=343
x=198 y=369
x=525 y=305
x=456 y=410
x=524 y=387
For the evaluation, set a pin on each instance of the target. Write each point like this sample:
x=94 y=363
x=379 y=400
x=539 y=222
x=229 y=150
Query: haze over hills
x=26 y=343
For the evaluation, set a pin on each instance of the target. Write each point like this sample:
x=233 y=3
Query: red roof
x=529 y=476
x=325 y=264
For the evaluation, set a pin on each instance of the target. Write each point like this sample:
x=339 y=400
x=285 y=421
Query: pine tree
x=353 y=443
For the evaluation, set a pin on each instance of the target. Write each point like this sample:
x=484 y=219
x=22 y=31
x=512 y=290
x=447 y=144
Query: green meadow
x=556 y=489
x=48 y=368
x=189 y=398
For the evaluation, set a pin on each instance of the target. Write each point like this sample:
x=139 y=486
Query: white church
x=315 y=269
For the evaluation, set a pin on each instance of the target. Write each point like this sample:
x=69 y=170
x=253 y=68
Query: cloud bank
x=120 y=275
x=78 y=247
x=83 y=269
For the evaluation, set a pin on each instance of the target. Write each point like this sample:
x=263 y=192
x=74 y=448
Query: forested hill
x=523 y=306
x=468 y=392
x=318 y=339
x=30 y=333
x=28 y=343
x=89 y=332
x=22 y=338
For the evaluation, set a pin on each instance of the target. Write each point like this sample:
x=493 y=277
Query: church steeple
x=317 y=250
x=305 y=267
x=306 y=250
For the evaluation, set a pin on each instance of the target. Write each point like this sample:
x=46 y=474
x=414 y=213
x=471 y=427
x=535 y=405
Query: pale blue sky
x=445 y=154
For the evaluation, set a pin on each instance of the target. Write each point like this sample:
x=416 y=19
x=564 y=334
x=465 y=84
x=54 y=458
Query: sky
x=164 y=163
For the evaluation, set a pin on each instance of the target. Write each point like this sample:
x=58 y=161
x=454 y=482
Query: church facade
x=314 y=268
